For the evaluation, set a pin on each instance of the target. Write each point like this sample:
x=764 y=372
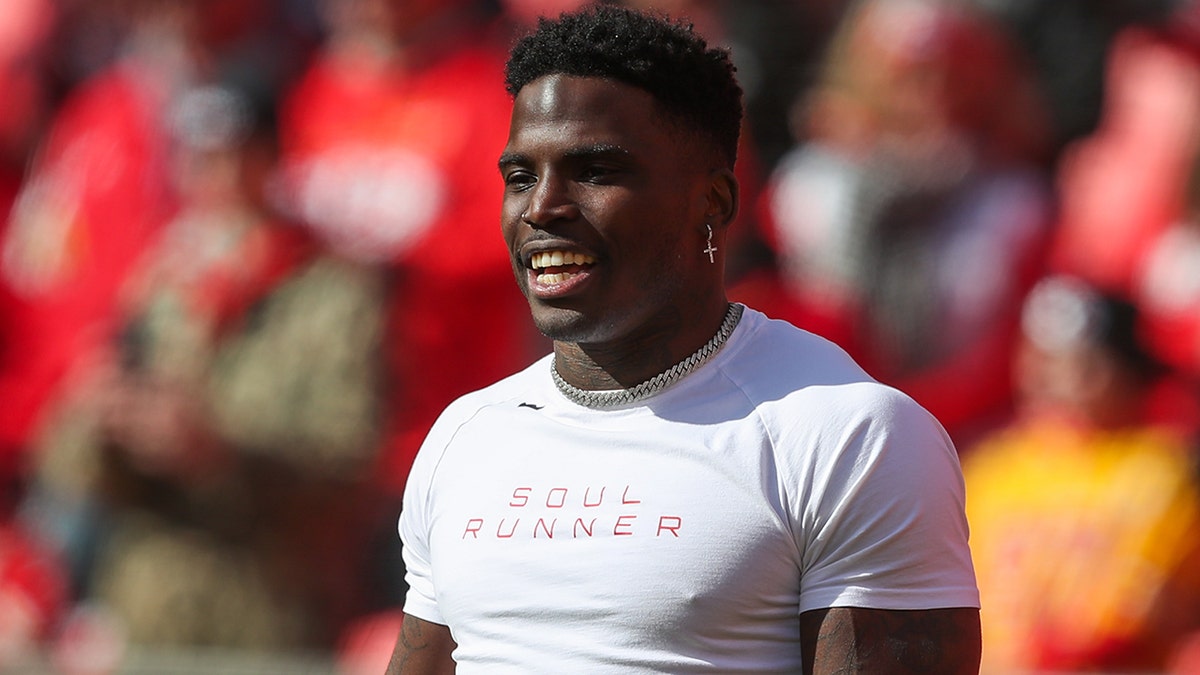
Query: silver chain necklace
x=618 y=397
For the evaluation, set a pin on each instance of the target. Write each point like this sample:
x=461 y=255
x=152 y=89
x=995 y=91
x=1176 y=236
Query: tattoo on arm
x=422 y=648
x=851 y=640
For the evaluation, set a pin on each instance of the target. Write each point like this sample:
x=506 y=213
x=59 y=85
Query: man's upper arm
x=847 y=640
x=423 y=648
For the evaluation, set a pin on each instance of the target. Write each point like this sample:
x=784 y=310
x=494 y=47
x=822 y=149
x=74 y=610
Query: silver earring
x=710 y=250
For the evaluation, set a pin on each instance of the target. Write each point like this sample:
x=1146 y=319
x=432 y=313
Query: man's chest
x=678 y=522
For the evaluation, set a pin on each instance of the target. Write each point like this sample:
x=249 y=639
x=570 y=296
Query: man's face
x=604 y=211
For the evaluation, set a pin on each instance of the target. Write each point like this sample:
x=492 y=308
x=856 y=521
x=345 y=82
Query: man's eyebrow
x=511 y=158
x=597 y=150
x=582 y=152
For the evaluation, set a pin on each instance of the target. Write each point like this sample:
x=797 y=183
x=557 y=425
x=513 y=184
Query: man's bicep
x=854 y=640
x=423 y=648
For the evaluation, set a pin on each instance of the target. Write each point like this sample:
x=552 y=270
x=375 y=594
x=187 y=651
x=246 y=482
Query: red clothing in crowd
x=93 y=199
x=1124 y=185
x=396 y=165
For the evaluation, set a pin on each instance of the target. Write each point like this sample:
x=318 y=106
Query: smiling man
x=684 y=485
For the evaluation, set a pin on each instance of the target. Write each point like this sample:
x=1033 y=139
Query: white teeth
x=558 y=278
x=556 y=258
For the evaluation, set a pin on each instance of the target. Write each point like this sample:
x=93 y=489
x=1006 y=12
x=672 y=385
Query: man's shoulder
x=778 y=356
x=779 y=367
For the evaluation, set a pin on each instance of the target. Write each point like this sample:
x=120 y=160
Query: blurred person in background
x=1085 y=515
x=211 y=378
x=80 y=189
x=199 y=469
x=911 y=217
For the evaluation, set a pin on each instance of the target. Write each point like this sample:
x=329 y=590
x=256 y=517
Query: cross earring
x=711 y=249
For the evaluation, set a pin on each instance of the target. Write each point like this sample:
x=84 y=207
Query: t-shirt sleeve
x=421 y=600
x=880 y=517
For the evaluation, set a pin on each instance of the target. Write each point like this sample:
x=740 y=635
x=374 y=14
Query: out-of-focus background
x=250 y=248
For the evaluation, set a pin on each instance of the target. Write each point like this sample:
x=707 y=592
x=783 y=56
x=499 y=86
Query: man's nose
x=550 y=201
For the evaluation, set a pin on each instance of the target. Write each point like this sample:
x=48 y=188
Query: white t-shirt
x=686 y=533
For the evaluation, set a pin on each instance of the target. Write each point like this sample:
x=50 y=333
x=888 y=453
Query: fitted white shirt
x=685 y=533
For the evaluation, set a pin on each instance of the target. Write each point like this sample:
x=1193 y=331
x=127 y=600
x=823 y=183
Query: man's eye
x=595 y=174
x=519 y=180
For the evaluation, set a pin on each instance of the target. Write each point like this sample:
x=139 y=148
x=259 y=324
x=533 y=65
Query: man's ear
x=723 y=195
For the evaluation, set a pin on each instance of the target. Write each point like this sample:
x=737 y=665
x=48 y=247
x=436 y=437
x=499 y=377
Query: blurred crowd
x=249 y=249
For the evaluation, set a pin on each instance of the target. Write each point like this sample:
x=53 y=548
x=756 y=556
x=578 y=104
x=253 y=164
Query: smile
x=555 y=267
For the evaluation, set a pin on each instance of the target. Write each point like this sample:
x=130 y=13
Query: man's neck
x=627 y=362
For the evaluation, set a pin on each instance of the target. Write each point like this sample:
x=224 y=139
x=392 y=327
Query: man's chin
x=563 y=324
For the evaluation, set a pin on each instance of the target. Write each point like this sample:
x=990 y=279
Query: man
x=684 y=485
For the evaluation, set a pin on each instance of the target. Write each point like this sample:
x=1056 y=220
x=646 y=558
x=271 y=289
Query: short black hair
x=693 y=83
